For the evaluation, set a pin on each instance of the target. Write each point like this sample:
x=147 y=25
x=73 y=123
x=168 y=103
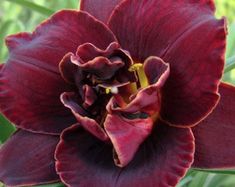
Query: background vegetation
x=24 y=15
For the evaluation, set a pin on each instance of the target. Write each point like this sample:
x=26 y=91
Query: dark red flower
x=112 y=99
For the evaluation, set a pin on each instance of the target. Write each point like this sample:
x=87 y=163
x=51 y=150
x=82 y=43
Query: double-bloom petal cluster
x=125 y=93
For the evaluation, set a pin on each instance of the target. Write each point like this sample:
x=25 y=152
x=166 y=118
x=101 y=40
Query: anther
x=135 y=67
x=113 y=90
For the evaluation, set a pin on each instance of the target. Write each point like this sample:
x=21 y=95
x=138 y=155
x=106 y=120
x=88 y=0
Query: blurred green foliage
x=226 y=8
x=24 y=15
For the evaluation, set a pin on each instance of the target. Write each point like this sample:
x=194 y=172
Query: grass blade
x=53 y=185
x=228 y=172
x=37 y=8
x=6 y=129
x=230 y=64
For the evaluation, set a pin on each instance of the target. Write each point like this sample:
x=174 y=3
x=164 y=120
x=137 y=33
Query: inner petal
x=129 y=124
x=126 y=136
x=116 y=100
x=82 y=116
x=97 y=65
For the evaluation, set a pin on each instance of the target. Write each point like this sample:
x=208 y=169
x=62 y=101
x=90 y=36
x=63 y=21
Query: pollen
x=107 y=90
x=113 y=90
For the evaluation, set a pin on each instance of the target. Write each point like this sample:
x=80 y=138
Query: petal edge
x=214 y=136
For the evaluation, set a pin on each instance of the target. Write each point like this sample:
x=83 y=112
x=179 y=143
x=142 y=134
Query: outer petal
x=215 y=135
x=101 y=9
x=27 y=159
x=187 y=36
x=30 y=82
x=83 y=160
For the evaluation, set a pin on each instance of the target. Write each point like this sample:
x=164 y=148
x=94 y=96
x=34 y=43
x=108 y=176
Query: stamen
x=107 y=90
x=142 y=79
x=135 y=67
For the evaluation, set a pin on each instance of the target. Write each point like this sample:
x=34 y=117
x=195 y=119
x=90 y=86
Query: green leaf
x=217 y=180
x=230 y=64
x=229 y=182
x=46 y=185
x=3 y=30
x=6 y=129
x=198 y=180
x=227 y=172
x=37 y=8
x=53 y=185
x=230 y=51
x=185 y=181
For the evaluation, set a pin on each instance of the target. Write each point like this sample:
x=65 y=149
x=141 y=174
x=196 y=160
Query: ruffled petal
x=162 y=160
x=30 y=81
x=89 y=96
x=146 y=100
x=98 y=65
x=128 y=125
x=71 y=101
x=215 y=135
x=102 y=67
x=68 y=70
x=126 y=136
x=88 y=51
x=101 y=9
x=27 y=159
x=184 y=34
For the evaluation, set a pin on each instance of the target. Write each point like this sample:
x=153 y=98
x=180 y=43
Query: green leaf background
x=24 y=15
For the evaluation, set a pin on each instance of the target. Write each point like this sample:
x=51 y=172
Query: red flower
x=116 y=102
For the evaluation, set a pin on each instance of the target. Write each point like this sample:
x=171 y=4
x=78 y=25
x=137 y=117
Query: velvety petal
x=89 y=96
x=102 y=67
x=128 y=125
x=184 y=34
x=156 y=70
x=67 y=69
x=27 y=159
x=162 y=160
x=30 y=82
x=70 y=101
x=101 y=9
x=214 y=136
x=146 y=100
x=126 y=136
x=104 y=64
x=88 y=51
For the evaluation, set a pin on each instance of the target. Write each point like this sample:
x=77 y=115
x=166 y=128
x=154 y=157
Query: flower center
x=115 y=99
x=141 y=81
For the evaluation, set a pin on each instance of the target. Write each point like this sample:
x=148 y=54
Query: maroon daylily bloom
x=112 y=99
